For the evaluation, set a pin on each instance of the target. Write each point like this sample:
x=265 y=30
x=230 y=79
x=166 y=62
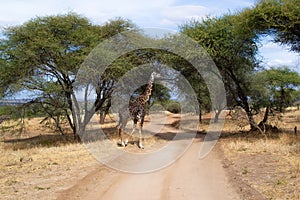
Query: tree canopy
x=232 y=50
x=232 y=41
x=279 y=18
x=275 y=88
x=44 y=55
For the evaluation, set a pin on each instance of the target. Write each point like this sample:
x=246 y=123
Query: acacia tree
x=44 y=54
x=192 y=75
x=233 y=50
x=275 y=88
x=231 y=41
x=279 y=18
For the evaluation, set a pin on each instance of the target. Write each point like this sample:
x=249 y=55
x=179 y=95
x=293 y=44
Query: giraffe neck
x=144 y=98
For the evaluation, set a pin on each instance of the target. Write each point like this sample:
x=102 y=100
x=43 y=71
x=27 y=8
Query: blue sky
x=145 y=13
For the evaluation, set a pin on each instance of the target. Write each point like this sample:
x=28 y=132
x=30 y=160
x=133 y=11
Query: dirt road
x=187 y=178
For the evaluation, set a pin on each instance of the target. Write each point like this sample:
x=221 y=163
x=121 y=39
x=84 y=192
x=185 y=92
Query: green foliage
x=231 y=40
x=9 y=111
x=50 y=48
x=275 y=88
x=18 y=112
x=233 y=50
x=279 y=18
x=173 y=107
x=43 y=56
x=190 y=73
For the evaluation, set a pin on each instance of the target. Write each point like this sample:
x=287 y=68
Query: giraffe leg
x=121 y=142
x=133 y=130
x=140 y=145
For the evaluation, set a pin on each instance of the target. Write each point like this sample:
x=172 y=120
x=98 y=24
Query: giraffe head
x=154 y=75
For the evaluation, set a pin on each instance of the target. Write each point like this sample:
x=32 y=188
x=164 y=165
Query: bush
x=174 y=107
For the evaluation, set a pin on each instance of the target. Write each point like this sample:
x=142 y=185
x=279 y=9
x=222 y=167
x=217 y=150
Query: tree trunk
x=103 y=114
x=282 y=99
x=77 y=137
x=262 y=125
x=251 y=120
x=102 y=117
x=200 y=116
x=57 y=124
x=265 y=119
x=243 y=102
x=105 y=111
x=217 y=114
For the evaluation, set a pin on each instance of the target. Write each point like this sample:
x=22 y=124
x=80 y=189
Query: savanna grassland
x=40 y=163
x=269 y=163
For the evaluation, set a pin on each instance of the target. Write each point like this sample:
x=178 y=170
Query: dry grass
x=37 y=172
x=271 y=165
x=39 y=162
x=285 y=144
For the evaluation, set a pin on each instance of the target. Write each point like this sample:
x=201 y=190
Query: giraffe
x=137 y=112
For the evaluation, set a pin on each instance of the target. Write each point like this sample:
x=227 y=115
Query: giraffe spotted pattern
x=136 y=111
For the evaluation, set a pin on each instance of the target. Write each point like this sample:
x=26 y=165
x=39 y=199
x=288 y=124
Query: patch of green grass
x=242 y=149
x=280 y=182
x=42 y=188
x=245 y=171
x=10 y=182
x=47 y=143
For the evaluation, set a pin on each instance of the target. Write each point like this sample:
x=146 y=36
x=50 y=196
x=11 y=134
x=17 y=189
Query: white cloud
x=280 y=62
x=16 y=11
x=163 y=13
x=269 y=45
x=175 y=15
x=166 y=13
x=276 y=55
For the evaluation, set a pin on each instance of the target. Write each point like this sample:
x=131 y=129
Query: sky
x=166 y=14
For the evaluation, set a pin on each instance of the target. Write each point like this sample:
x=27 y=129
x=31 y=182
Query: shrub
x=174 y=107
